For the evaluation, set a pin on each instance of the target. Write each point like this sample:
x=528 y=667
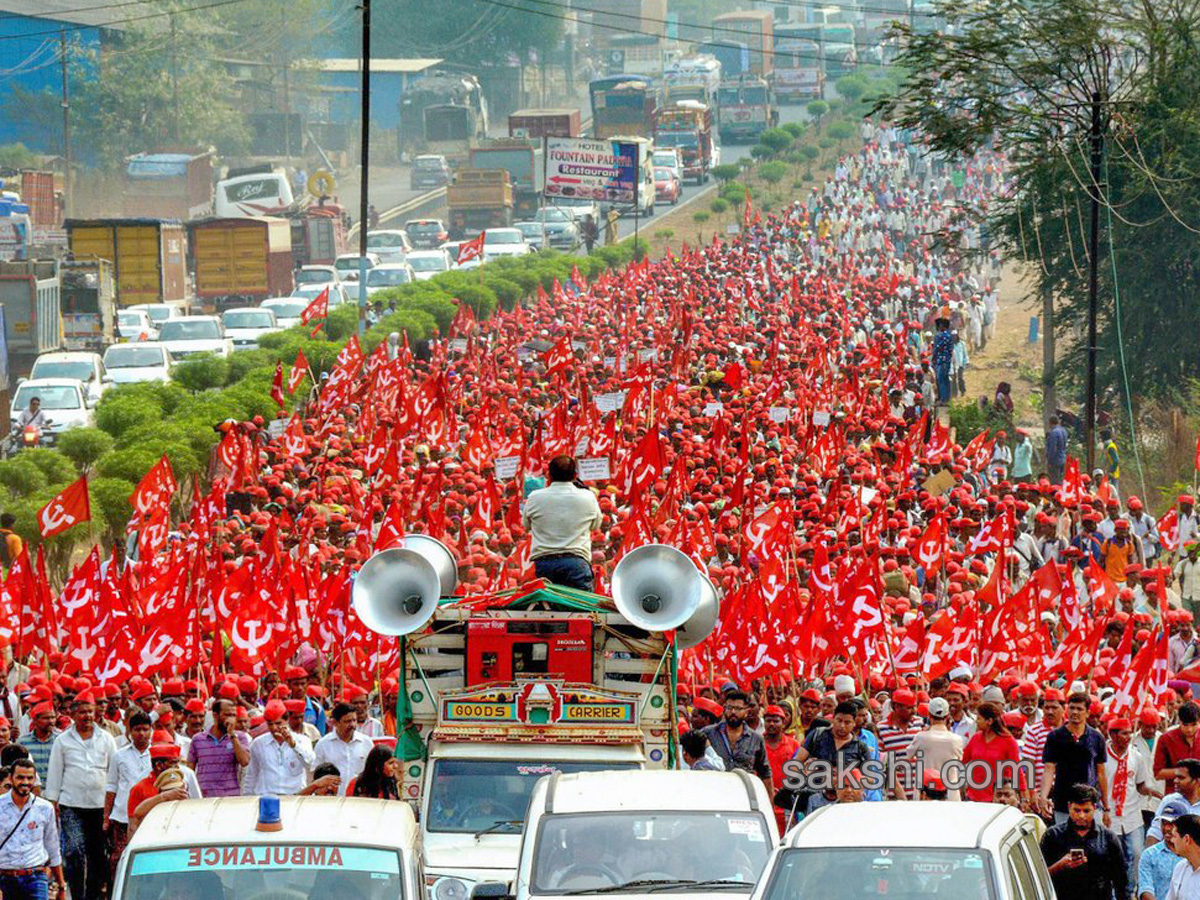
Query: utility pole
x=364 y=165
x=1097 y=147
x=68 y=195
x=174 y=84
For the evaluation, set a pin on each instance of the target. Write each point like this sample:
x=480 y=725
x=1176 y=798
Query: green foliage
x=726 y=172
x=481 y=299
x=773 y=172
x=810 y=153
x=17 y=156
x=777 y=139
x=851 y=87
x=84 y=446
x=734 y=193
x=22 y=476
x=341 y=323
x=719 y=205
x=761 y=151
x=841 y=130
x=795 y=129
x=245 y=361
x=817 y=109
x=120 y=410
x=202 y=372
x=110 y=502
x=664 y=234
x=969 y=418
x=700 y=217
x=55 y=466
x=508 y=292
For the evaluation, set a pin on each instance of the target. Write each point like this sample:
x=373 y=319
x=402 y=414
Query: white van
x=645 y=193
x=250 y=196
x=326 y=848
x=643 y=833
x=909 y=850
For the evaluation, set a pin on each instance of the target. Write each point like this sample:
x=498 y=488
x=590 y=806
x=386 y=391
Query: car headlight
x=450 y=889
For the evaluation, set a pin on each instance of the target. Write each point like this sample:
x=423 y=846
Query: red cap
x=1054 y=694
x=144 y=689
x=228 y=691
x=275 y=710
x=294 y=706
x=247 y=684
x=709 y=706
x=1120 y=724
x=773 y=710
x=173 y=686
x=904 y=697
x=45 y=708
x=812 y=694
x=195 y=705
x=294 y=673
x=1149 y=716
x=164 y=751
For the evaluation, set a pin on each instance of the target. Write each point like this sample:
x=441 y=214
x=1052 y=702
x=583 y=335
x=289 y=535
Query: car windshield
x=663 y=174
x=387 y=277
x=248 y=318
x=384 y=241
x=470 y=795
x=313 y=871
x=55 y=397
x=350 y=264
x=600 y=851
x=531 y=229
x=423 y=227
x=428 y=162
x=427 y=263
x=129 y=318
x=550 y=214
x=848 y=873
x=190 y=330
x=502 y=236
x=63 y=368
x=313 y=276
x=131 y=356
x=287 y=309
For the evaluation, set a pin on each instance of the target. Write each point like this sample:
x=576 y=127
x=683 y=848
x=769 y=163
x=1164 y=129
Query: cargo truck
x=30 y=295
x=756 y=27
x=840 y=50
x=452 y=130
x=622 y=104
x=149 y=256
x=535 y=124
x=171 y=185
x=524 y=163
x=799 y=63
x=89 y=304
x=240 y=262
x=693 y=78
x=687 y=127
x=479 y=199
x=747 y=109
x=39 y=193
x=318 y=235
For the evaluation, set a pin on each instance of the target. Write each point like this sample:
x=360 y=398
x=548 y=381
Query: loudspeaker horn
x=703 y=621
x=656 y=587
x=396 y=591
x=437 y=555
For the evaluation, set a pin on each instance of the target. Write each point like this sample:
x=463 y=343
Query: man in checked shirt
x=29 y=840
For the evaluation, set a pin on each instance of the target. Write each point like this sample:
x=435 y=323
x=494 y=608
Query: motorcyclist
x=34 y=416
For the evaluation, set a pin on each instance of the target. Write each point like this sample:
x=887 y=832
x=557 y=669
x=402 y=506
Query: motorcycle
x=27 y=438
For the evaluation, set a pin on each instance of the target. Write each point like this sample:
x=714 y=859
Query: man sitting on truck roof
x=561 y=518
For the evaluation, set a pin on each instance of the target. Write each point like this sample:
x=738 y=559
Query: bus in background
x=840 y=50
x=249 y=193
x=799 y=63
x=622 y=104
x=757 y=29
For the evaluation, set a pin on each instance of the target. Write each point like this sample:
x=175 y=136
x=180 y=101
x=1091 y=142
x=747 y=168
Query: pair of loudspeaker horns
x=654 y=587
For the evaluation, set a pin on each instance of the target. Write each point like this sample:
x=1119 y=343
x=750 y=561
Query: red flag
x=295 y=443
x=156 y=488
x=277 y=384
x=1198 y=453
x=318 y=309
x=748 y=212
x=735 y=376
x=559 y=357
x=469 y=250
x=931 y=546
x=67 y=509
x=299 y=370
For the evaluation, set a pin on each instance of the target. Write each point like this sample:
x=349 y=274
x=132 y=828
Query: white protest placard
x=733 y=228
x=582 y=446
x=594 y=469
x=820 y=417
x=506 y=466
x=610 y=402
x=579 y=345
x=714 y=408
x=647 y=355
x=458 y=345
x=610 y=362
x=524 y=353
x=276 y=427
x=779 y=413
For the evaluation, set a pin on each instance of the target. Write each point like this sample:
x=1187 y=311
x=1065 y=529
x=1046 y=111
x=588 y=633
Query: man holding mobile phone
x=1085 y=859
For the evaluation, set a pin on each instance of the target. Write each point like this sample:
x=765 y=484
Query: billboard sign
x=592 y=169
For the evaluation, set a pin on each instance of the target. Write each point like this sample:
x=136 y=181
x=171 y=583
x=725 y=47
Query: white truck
x=687 y=834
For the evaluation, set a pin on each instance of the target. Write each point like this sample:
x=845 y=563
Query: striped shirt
x=217 y=768
x=1032 y=745
x=894 y=739
x=39 y=751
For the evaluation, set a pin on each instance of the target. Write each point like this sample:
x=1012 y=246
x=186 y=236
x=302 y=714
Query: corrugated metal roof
x=72 y=12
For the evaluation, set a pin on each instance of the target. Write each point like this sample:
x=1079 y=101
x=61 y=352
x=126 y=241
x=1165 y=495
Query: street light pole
x=68 y=196
x=364 y=165
x=1097 y=147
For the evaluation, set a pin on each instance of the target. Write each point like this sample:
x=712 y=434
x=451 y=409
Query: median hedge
x=137 y=423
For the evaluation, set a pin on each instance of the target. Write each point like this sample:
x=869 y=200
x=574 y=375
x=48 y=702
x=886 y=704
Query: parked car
x=499 y=242
x=63 y=400
x=535 y=234
x=561 y=230
x=666 y=186
x=426 y=234
x=430 y=171
x=315 y=274
x=390 y=244
x=389 y=275
x=349 y=264
x=142 y=361
x=427 y=263
x=160 y=312
x=244 y=325
x=135 y=325
x=287 y=309
x=87 y=368
x=906 y=848
x=191 y=335
x=580 y=207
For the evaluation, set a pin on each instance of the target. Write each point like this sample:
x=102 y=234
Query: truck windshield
x=907 y=873
x=686 y=140
x=582 y=853
x=63 y=368
x=728 y=96
x=756 y=96
x=473 y=795
x=314 y=871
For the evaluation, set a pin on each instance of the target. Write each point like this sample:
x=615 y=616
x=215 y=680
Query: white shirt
x=127 y=767
x=1137 y=772
x=561 y=519
x=276 y=768
x=35 y=843
x=1185 y=882
x=78 y=771
x=349 y=756
x=372 y=728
